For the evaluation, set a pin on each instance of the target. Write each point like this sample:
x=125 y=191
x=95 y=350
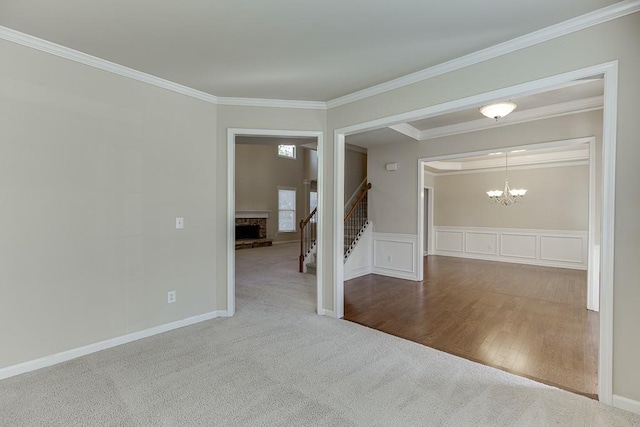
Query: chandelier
x=507 y=196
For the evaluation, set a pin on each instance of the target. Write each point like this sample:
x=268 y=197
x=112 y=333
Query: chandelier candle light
x=507 y=196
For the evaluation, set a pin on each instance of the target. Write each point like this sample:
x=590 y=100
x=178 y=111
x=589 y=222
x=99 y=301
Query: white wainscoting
x=552 y=248
x=360 y=261
x=396 y=255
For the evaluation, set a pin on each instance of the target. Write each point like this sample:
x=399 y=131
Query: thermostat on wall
x=391 y=166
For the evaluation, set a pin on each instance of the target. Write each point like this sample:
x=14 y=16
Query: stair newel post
x=301 y=259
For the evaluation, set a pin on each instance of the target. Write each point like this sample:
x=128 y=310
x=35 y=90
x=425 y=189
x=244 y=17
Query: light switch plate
x=179 y=223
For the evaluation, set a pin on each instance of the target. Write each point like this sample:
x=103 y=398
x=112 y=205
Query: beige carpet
x=277 y=363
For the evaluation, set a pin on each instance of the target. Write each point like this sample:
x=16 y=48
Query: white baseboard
x=64 y=356
x=328 y=313
x=282 y=242
x=358 y=272
x=626 y=404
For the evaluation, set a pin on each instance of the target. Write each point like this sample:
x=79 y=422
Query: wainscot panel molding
x=551 y=248
x=360 y=261
x=64 y=356
x=396 y=255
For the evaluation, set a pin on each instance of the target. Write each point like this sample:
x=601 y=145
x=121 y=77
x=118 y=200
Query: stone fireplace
x=251 y=229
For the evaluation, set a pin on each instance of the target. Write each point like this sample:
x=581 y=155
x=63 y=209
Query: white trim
x=64 y=356
x=547 y=112
x=391 y=268
x=512 y=168
x=626 y=404
x=338 y=224
x=521 y=237
x=252 y=214
x=587 y=20
x=328 y=313
x=610 y=71
x=101 y=64
x=231 y=202
x=273 y=103
x=610 y=119
x=593 y=250
x=408 y=130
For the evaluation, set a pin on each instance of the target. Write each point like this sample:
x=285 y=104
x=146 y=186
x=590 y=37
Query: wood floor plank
x=528 y=320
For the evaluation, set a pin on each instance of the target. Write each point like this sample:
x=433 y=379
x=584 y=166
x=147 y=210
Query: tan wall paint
x=172 y=135
x=614 y=40
x=355 y=171
x=251 y=118
x=94 y=170
x=557 y=199
x=399 y=188
x=259 y=173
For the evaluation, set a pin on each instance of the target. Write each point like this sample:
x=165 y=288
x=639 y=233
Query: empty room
x=125 y=300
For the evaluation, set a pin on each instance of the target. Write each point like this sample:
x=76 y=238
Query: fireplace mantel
x=252 y=214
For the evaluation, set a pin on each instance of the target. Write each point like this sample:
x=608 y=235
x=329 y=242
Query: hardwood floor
x=527 y=320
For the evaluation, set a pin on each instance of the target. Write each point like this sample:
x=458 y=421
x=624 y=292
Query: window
x=288 y=151
x=286 y=209
x=313 y=203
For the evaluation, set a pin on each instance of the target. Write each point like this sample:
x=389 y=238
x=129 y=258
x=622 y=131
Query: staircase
x=356 y=221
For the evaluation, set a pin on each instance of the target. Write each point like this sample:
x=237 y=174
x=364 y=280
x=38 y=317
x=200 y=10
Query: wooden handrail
x=358 y=200
x=305 y=221
x=303 y=224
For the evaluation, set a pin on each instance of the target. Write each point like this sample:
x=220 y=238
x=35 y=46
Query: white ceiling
x=567 y=154
x=578 y=90
x=575 y=97
x=283 y=49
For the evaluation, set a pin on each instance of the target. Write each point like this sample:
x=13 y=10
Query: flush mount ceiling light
x=497 y=110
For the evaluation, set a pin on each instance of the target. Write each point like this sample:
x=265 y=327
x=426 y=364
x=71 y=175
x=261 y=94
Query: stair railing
x=308 y=229
x=356 y=218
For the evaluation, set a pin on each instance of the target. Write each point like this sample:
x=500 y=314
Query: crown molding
x=274 y=103
x=101 y=64
x=498 y=163
x=546 y=112
x=408 y=130
x=71 y=54
x=587 y=20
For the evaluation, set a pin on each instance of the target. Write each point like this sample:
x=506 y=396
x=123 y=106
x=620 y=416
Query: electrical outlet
x=389 y=258
x=171 y=297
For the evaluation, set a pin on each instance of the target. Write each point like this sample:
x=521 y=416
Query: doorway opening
x=608 y=72
x=524 y=271
x=269 y=193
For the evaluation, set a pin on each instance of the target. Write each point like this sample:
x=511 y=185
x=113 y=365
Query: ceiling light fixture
x=497 y=110
x=507 y=196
